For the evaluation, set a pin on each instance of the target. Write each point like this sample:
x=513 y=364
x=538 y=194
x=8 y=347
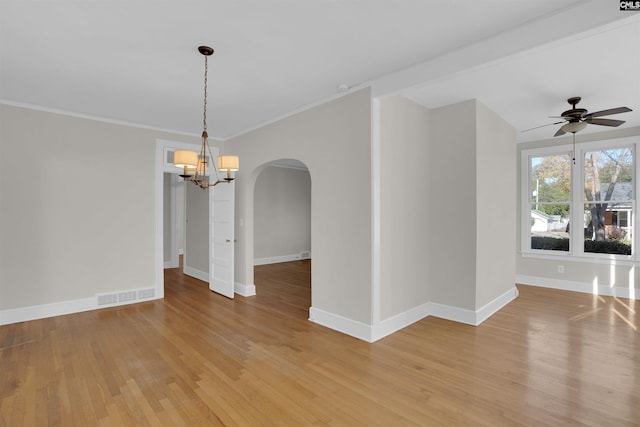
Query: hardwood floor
x=550 y=358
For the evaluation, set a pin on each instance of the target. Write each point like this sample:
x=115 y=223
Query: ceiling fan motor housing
x=574 y=114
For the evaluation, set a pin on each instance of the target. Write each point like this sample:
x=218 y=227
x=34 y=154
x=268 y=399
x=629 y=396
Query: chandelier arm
x=213 y=163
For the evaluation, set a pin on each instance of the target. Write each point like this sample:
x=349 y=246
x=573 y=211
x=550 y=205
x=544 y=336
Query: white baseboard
x=341 y=324
x=43 y=311
x=282 y=258
x=456 y=314
x=34 y=312
x=570 y=285
x=402 y=320
x=169 y=264
x=198 y=274
x=486 y=311
x=244 y=290
x=399 y=321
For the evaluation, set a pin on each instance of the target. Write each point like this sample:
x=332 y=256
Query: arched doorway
x=282 y=222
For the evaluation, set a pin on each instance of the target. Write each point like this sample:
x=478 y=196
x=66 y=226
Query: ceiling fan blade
x=608 y=112
x=560 y=132
x=605 y=122
x=538 y=127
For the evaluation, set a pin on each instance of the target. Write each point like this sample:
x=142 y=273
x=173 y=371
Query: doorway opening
x=282 y=231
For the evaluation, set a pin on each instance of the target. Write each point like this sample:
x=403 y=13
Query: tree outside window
x=608 y=195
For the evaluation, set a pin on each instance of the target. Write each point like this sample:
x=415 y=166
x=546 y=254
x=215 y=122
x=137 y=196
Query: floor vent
x=106 y=299
x=122 y=297
x=146 y=293
x=127 y=296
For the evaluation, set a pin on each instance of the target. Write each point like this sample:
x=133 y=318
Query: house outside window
x=582 y=206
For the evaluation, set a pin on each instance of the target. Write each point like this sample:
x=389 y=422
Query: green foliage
x=603 y=247
x=561 y=209
x=549 y=243
x=607 y=247
x=608 y=171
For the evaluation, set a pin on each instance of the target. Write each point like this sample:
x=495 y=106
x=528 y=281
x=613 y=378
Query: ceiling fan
x=577 y=119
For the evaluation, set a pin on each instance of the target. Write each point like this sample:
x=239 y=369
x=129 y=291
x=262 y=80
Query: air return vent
x=146 y=293
x=106 y=299
x=124 y=297
x=127 y=296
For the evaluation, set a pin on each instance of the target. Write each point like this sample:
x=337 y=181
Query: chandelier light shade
x=229 y=164
x=185 y=159
x=197 y=166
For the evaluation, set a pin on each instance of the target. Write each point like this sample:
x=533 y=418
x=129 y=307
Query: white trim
x=588 y=258
x=24 y=314
x=341 y=324
x=35 y=312
x=280 y=258
x=198 y=274
x=492 y=307
x=244 y=290
x=161 y=146
x=375 y=212
x=402 y=320
x=98 y=119
x=583 y=287
x=456 y=314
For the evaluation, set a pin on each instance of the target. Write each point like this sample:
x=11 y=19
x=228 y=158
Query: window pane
x=550 y=180
x=550 y=202
x=609 y=237
x=550 y=231
x=608 y=195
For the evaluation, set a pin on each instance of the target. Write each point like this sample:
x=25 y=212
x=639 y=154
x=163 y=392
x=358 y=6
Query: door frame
x=162 y=147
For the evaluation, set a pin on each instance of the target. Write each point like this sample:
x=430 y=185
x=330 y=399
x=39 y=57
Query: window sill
x=592 y=259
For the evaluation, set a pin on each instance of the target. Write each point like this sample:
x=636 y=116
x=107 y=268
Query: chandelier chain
x=204 y=114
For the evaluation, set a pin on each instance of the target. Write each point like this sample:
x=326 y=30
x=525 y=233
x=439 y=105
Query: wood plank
x=195 y=358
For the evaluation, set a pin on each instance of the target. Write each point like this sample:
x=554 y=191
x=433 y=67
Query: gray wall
x=334 y=141
x=452 y=176
x=406 y=206
x=167 y=213
x=196 y=251
x=496 y=206
x=282 y=209
x=448 y=198
x=79 y=217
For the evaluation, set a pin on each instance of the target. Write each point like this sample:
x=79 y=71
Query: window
x=550 y=201
x=608 y=191
x=582 y=205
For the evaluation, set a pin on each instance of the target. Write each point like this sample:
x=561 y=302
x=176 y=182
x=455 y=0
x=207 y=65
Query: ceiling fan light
x=573 y=127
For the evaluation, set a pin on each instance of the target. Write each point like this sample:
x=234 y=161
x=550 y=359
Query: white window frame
x=576 y=243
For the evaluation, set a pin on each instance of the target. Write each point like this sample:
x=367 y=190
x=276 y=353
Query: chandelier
x=200 y=168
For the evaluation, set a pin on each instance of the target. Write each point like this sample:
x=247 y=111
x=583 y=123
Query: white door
x=221 y=238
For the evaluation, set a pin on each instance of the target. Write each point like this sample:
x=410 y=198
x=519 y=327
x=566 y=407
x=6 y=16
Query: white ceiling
x=136 y=61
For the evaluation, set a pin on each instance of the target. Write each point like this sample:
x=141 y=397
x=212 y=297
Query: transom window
x=582 y=205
